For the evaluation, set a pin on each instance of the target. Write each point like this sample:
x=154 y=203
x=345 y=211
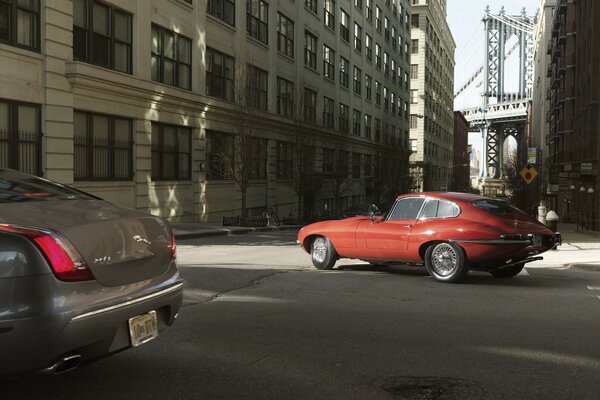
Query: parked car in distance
x=80 y=278
x=448 y=233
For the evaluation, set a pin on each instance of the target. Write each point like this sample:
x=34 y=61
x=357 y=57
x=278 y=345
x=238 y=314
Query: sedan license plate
x=537 y=241
x=143 y=328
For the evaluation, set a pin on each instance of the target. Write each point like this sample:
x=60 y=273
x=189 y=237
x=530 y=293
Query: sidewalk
x=184 y=230
x=580 y=249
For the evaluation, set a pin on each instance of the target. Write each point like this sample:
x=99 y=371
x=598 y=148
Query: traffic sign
x=528 y=173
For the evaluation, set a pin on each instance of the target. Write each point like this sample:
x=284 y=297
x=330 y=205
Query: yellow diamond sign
x=528 y=173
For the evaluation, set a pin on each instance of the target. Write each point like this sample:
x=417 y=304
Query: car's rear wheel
x=445 y=262
x=322 y=253
x=508 y=272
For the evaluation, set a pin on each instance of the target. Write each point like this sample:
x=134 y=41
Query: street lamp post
x=590 y=191
x=582 y=197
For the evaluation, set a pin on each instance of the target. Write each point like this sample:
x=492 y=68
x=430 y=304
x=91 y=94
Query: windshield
x=18 y=187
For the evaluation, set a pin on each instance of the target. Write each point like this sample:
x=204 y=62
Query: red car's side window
x=406 y=209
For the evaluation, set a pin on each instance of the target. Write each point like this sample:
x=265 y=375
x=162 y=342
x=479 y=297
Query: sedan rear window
x=17 y=187
x=497 y=207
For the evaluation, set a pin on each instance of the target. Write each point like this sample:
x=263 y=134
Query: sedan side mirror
x=373 y=210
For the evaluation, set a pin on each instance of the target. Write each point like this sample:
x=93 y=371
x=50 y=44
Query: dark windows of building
x=394 y=42
x=357 y=80
x=386 y=63
x=343 y=118
x=369 y=47
x=386 y=104
x=328 y=113
x=171 y=61
x=413 y=122
x=285 y=35
x=220 y=74
x=285 y=159
x=369 y=10
x=257 y=20
x=368 y=166
x=329 y=14
x=356 y=161
x=414 y=71
x=344 y=72
x=358 y=4
x=377 y=93
x=386 y=29
x=377 y=130
x=368 y=86
x=258 y=85
x=310 y=106
x=311 y=5
x=285 y=98
x=393 y=70
x=357 y=37
x=377 y=55
x=415 y=20
x=20 y=23
x=310 y=50
x=414 y=96
x=415 y=46
x=171 y=152
x=367 y=126
x=344 y=25
x=102 y=35
x=343 y=163
x=257 y=158
x=223 y=10
x=356 y=122
x=328 y=160
x=103 y=147
x=328 y=62
x=20 y=137
x=393 y=102
x=219 y=155
x=378 y=15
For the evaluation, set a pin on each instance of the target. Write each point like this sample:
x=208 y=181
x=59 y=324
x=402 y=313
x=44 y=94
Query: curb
x=584 y=267
x=231 y=232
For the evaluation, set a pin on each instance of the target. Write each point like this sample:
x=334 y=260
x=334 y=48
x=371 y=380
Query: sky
x=464 y=19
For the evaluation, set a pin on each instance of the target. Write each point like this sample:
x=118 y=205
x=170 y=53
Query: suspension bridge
x=495 y=96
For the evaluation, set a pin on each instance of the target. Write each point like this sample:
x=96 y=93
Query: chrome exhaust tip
x=64 y=364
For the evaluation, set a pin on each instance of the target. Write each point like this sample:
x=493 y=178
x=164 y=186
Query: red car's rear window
x=498 y=207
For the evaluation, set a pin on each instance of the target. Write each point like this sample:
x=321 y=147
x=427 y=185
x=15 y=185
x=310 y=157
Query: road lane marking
x=593 y=287
x=524 y=272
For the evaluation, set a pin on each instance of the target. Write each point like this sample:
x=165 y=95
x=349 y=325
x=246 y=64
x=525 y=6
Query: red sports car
x=450 y=233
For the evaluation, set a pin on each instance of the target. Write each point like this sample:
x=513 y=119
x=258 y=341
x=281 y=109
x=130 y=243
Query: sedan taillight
x=173 y=244
x=65 y=261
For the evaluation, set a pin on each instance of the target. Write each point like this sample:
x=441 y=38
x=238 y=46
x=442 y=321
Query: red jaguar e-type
x=451 y=233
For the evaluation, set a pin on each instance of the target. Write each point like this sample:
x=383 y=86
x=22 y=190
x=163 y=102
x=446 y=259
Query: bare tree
x=523 y=195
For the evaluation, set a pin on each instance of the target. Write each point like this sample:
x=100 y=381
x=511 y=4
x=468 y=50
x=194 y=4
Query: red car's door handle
x=407 y=226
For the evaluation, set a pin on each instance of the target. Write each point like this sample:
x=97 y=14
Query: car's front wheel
x=322 y=253
x=445 y=261
x=508 y=272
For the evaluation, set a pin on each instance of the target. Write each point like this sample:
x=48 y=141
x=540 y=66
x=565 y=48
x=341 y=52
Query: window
x=285 y=157
x=369 y=10
x=20 y=23
x=311 y=5
x=357 y=80
x=285 y=98
x=345 y=26
x=368 y=86
x=356 y=122
x=285 y=35
x=386 y=29
x=257 y=14
x=358 y=4
x=415 y=46
x=220 y=74
x=171 y=61
x=497 y=207
x=344 y=72
x=367 y=126
x=344 y=115
x=20 y=137
x=343 y=163
x=171 y=152
x=219 y=155
x=257 y=158
x=377 y=55
x=328 y=62
x=414 y=71
x=393 y=70
x=369 y=47
x=101 y=35
x=328 y=160
x=377 y=130
x=328 y=113
x=377 y=93
x=310 y=106
x=385 y=98
x=329 y=14
x=367 y=160
x=414 y=96
x=414 y=122
x=406 y=209
x=356 y=161
x=258 y=82
x=310 y=50
x=415 y=20
x=357 y=37
x=394 y=37
x=386 y=63
x=103 y=147
x=413 y=145
x=439 y=209
x=223 y=10
x=378 y=19
x=393 y=102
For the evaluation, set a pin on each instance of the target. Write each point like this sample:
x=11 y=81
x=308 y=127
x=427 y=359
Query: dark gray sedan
x=80 y=278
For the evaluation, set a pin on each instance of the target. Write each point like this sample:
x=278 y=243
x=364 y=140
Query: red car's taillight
x=173 y=244
x=65 y=261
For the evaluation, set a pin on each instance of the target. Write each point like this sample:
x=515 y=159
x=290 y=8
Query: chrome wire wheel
x=319 y=250
x=444 y=259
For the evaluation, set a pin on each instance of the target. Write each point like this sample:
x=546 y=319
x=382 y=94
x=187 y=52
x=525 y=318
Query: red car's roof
x=467 y=197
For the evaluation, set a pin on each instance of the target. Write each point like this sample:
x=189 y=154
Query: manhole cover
x=432 y=388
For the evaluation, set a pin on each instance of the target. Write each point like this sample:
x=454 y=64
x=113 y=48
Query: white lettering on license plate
x=143 y=328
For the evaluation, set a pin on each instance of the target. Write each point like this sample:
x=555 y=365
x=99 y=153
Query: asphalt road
x=260 y=323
